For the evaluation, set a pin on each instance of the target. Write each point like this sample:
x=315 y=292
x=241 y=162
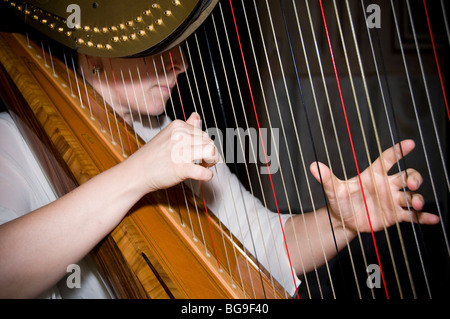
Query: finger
x=189 y=136
x=323 y=175
x=410 y=178
x=419 y=217
x=194 y=120
x=198 y=172
x=207 y=154
x=395 y=153
x=414 y=181
x=410 y=200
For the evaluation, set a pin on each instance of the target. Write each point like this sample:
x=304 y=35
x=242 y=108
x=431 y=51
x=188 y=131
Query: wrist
x=131 y=179
x=340 y=225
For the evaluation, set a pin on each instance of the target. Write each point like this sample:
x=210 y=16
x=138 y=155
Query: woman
x=36 y=248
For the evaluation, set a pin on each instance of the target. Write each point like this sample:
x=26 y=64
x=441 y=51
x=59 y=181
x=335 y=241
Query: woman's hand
x=383 y=197
x=180 y=151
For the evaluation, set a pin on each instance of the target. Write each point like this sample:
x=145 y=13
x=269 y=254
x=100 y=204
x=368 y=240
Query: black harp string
x=427 y=93
x=252 y=146
x=374 y=127
x=289 y=103
x=394 y=127
x=222 y=108
x=327 y=95
x=389 y=99
x=213 y=191
x=313 y=144
x=344 y=46
x=203 y=114
x=233 y=195
x=268 y=117
x=319 y=120
x=419 y=125
x=262 y=89
x=215 y=168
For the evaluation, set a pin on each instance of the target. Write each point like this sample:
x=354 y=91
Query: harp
x=328 y=82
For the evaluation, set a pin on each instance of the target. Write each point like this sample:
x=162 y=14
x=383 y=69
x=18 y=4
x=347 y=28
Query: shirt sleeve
x=255 y=226
x=23 y=185
x=24 y=188
x=259 y=229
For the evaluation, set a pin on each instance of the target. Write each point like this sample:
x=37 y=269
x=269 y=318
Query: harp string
x=352 y=146
x=182 y=186
x=252 y=146
x=199 y=182
x=435 y=54
x=419 y=126
x=147 y=70
x=262 y=142
x=230 y=189
x=237 y=172
x=76 y=82
x=369 y=104
x=314 y=96
x=87 y=96
x=445 y=21
x=226 y=213
x=313 y=143
x=287 y=146
x=233 y=195
x=120 y=105
x=51 y=61
x=95 y=71
x=327 y=96
x=103 y=95
x=242 y=103
x=143 y=96
x=374 y=126
x=417 y=234
x=129 y=108
x=137 y=103
x=419 y=57
x=299 y=146
x=404 y=187
x=44 y=55
x=114 y=113
x=67 y=69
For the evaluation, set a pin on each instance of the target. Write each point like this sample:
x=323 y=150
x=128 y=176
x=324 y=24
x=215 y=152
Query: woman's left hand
x=373 y=200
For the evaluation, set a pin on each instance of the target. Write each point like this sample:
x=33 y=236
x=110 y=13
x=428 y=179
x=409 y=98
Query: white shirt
x=256 y=227
x=24 y=188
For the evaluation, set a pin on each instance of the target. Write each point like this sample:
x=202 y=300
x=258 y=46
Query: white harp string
x=391 y=133
x=271 y=38
x=419 y=125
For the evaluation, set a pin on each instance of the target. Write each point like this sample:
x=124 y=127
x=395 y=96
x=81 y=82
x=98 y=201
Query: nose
x=175 y=60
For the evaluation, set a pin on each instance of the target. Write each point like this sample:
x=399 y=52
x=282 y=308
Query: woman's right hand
x=180 y=151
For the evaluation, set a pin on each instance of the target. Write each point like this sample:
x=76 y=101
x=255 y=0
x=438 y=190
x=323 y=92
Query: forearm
x=311 y=240
x=36 y=249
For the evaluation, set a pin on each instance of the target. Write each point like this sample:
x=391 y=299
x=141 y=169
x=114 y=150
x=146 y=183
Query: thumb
x=323 y=175
x=194 y=120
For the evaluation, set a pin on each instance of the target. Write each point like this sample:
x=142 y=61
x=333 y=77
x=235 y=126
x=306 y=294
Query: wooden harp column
x=313 y=72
